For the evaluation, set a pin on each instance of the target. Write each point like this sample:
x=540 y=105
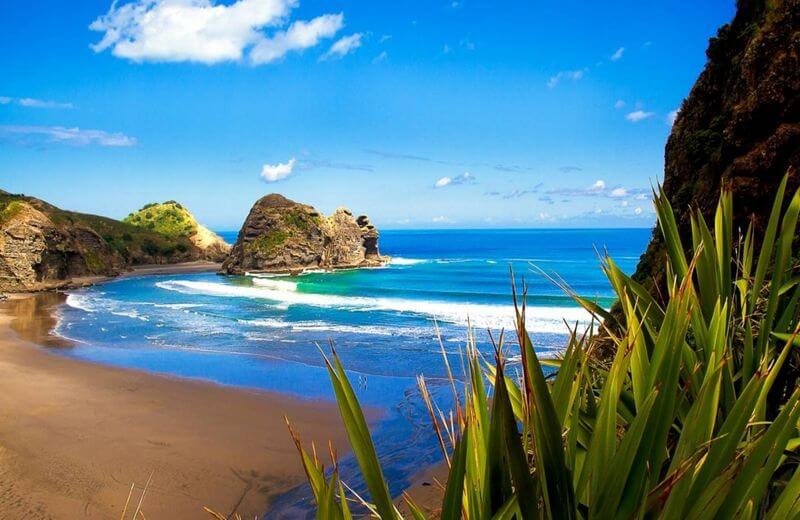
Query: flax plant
x=696 y=416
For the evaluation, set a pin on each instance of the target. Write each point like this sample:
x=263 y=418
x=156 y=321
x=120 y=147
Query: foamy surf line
x=539 y=319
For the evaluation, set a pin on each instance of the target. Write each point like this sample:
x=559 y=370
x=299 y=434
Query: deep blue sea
x=263 y=332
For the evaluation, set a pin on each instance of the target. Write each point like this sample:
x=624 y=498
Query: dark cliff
x=740 y=125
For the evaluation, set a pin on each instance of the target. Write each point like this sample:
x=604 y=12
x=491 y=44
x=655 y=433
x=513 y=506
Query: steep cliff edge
x=280 y=235
x=44 y=247
x=175 y=221
x=740 y=125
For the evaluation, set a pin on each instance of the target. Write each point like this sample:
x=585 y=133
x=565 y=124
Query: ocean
x=265 y=332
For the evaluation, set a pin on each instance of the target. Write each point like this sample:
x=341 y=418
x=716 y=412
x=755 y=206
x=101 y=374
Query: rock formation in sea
x=740 y=125
x=174 y=220
x=44 y=247
x=280 y=235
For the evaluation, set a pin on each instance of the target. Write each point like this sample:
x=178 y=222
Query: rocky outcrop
x=44 y=247
x=740 y=125
x=38 y=253
x=280 y=235
x=173 y=220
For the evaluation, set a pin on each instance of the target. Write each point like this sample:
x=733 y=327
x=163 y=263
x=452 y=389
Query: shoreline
x=75 y=435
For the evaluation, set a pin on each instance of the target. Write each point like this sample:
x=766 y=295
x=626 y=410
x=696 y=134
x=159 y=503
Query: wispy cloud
x=464 y=178
x=299 y=36
x=34 y=103
x=569 y=169
x=620 y=104
x=407 y=157
x=343 y=46
x=572 y=75
x=207 y=31
x=515 y=194
x=467 y=44
x=617 y=54
x=441 y=219
x=277 y=172
x=638 y=115
x=380 y=58
x=313 y=164
x=599 y=189
x=62 y=135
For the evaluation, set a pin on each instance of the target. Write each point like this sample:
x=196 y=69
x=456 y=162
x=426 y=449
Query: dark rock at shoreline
x=739 y=127
x=283 y=236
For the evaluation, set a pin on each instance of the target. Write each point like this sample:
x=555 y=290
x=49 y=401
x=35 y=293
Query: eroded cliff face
x=37 y=253
x=740 y=125
x=280 y=235
x=44 y=247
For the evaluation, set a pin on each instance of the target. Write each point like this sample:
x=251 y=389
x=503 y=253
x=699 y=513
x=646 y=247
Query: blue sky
x=421 y=114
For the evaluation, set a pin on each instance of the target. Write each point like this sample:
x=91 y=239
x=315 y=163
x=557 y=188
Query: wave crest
x=539 y=319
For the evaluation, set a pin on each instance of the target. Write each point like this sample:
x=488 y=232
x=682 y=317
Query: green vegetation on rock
x=168 y=218
x=269 y=242
x=9 y=209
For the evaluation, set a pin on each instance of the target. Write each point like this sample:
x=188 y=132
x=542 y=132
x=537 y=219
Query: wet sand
x=74 y=435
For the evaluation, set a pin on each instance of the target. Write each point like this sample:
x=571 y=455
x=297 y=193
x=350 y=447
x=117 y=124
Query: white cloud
x=671 y=117
x=638 y=115
x=641 y=196
x=204 y=31
x=624 y=203
x=446 y=49
x=617 y=54
x=573 y=75
x=619 y=192
x=299 y=36
x=383 y=56
x=464 y=178
x=72 y=136
x=599 y=185
x=276 y=172
x=443 y=220
x=619 y=104
x=343 y=46
x=638 y=210
x=467 y=44
x=34 y=103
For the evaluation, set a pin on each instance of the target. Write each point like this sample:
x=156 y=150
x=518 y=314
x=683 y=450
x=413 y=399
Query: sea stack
x=283 y=236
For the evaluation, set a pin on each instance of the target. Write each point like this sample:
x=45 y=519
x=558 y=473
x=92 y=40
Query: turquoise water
x=262 y=332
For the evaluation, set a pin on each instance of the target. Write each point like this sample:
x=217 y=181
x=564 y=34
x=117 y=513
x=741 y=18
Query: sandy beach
x=74 y=436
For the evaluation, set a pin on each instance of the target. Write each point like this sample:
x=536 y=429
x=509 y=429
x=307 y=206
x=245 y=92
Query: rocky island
x=283 y=236
x=45 y=247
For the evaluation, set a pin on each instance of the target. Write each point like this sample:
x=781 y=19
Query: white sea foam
x=396 y=260
x=321 y=326
x=80 y=301
x=539 y=319
x=178 y=306
x=278 y=285
x=130 y=314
